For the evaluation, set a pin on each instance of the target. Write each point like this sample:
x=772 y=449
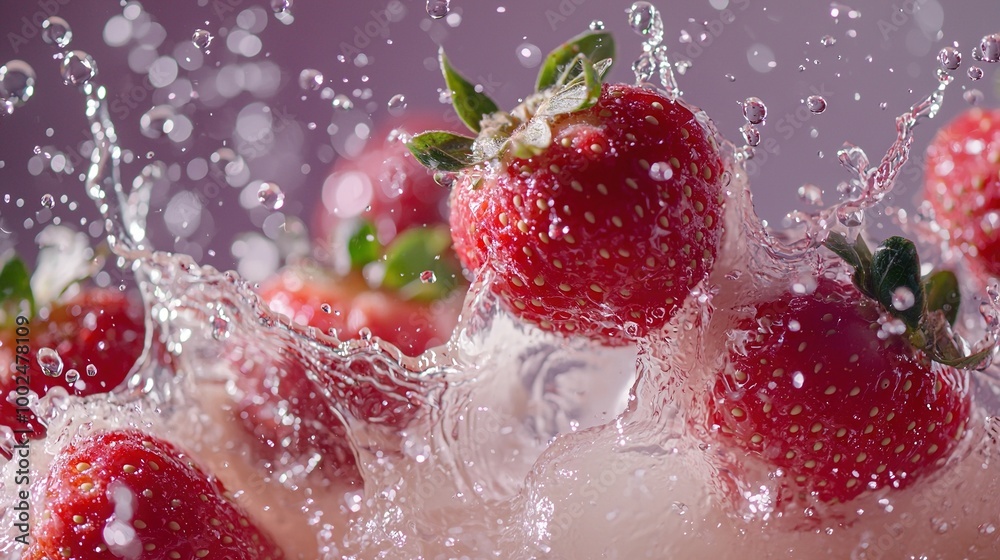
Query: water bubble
x=975 y=72
x=596 y=25
x=48 y=201
x=341 y=101
x=828 y=41
x=270 y=196
x=157 y=121
x=397 y=105
x=754 y=110
x=990 y=48
x=311 y=79
x=17 y=84
x=428 y=277
x=750 y=134
x=437 y=9
x=91 y=370
x=661 y=171
x=50 y=362
x=72 y=376
x=78 y=68
x=950 y=58
x=56 y=31
x=202 y=39
x=816 y=104
x=973 y=96
x=645 y=20
x=903 y=298
x=281 y=6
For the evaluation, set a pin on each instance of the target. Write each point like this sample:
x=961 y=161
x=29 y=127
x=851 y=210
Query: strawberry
x=962 y=185
x=390 y=294
x=819 y=389
x=97 y=331
x=125 y=494
x=597 y=207
x=384 y=185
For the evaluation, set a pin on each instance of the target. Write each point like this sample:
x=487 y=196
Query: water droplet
x=397 y=105
x=754 y=110
x=645 y=20
x=428 y=277
x=990 y=47
x=325 y=308
x=78 y=68
x=365 y=334
x=750 y=134
x=72 y=376
x=56 y=31
x=902 y=298
x=91 y=370
x=281 y=6
x=437 y=9
x=202 y=39
x=811 y=194
x=850 y=217
x=816 y=104
x=661 y=171
x=50 y=362
x=311 y=79
x=975 y=72
x=17 y=84
x=973 y=96
x=828 y=41
x=157 y=121
x=597 y=25
x=48 y=201
x=270 y=196
x=220 y=327
x=987 y=529
x=950 y=58
x=341 y=101
x=730 y=77
x=529 y=55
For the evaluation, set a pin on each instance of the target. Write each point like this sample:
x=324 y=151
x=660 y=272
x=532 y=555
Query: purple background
x=885 y=56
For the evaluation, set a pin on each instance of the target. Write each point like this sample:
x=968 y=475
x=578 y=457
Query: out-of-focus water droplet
x=157 y=121
x=903 y=298
x=428 y=277
x=730 y=77
x=529 y=55
x=91 y=370
x=596 y=25
x=816 y=104
x=281 y=6
x=973 y=96
x=311 y=79
x=437 y=9
x=202 y=39
x=990 y=47
x=48 y=201
x=270 y=196
x=17 y=84
x=50 y=361
x=56 y=31
x=661 y=171
x=220 y=326
x=754 y=110
x=811 y=194
x=950 y=58
x=341 y=101
x=72 y=376
x=750 y=134
x=397 y=105
x=78 y=68
x=975 y=72
x=828 y=41
x=325 y=308
x=645 y=20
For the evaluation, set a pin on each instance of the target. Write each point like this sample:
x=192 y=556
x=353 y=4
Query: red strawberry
x=384 y=185
x=962 y=185
x=98 y=327
x=596 y=206
x=125 y=494
x=821 y=391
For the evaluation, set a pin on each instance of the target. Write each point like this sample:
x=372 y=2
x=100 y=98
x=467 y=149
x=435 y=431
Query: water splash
x=654 y=62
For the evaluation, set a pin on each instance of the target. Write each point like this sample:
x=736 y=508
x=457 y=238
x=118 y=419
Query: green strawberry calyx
x=569 y=80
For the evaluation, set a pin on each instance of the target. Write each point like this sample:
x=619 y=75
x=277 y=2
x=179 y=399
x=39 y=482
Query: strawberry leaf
x=443 y=151
x=895 y=277
x=594 y=46
x=363 y=247
x=943 y=294
x=415 y=252
x=858 y=256
x=15 y=287
x=470 y=104
x=578 y=94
